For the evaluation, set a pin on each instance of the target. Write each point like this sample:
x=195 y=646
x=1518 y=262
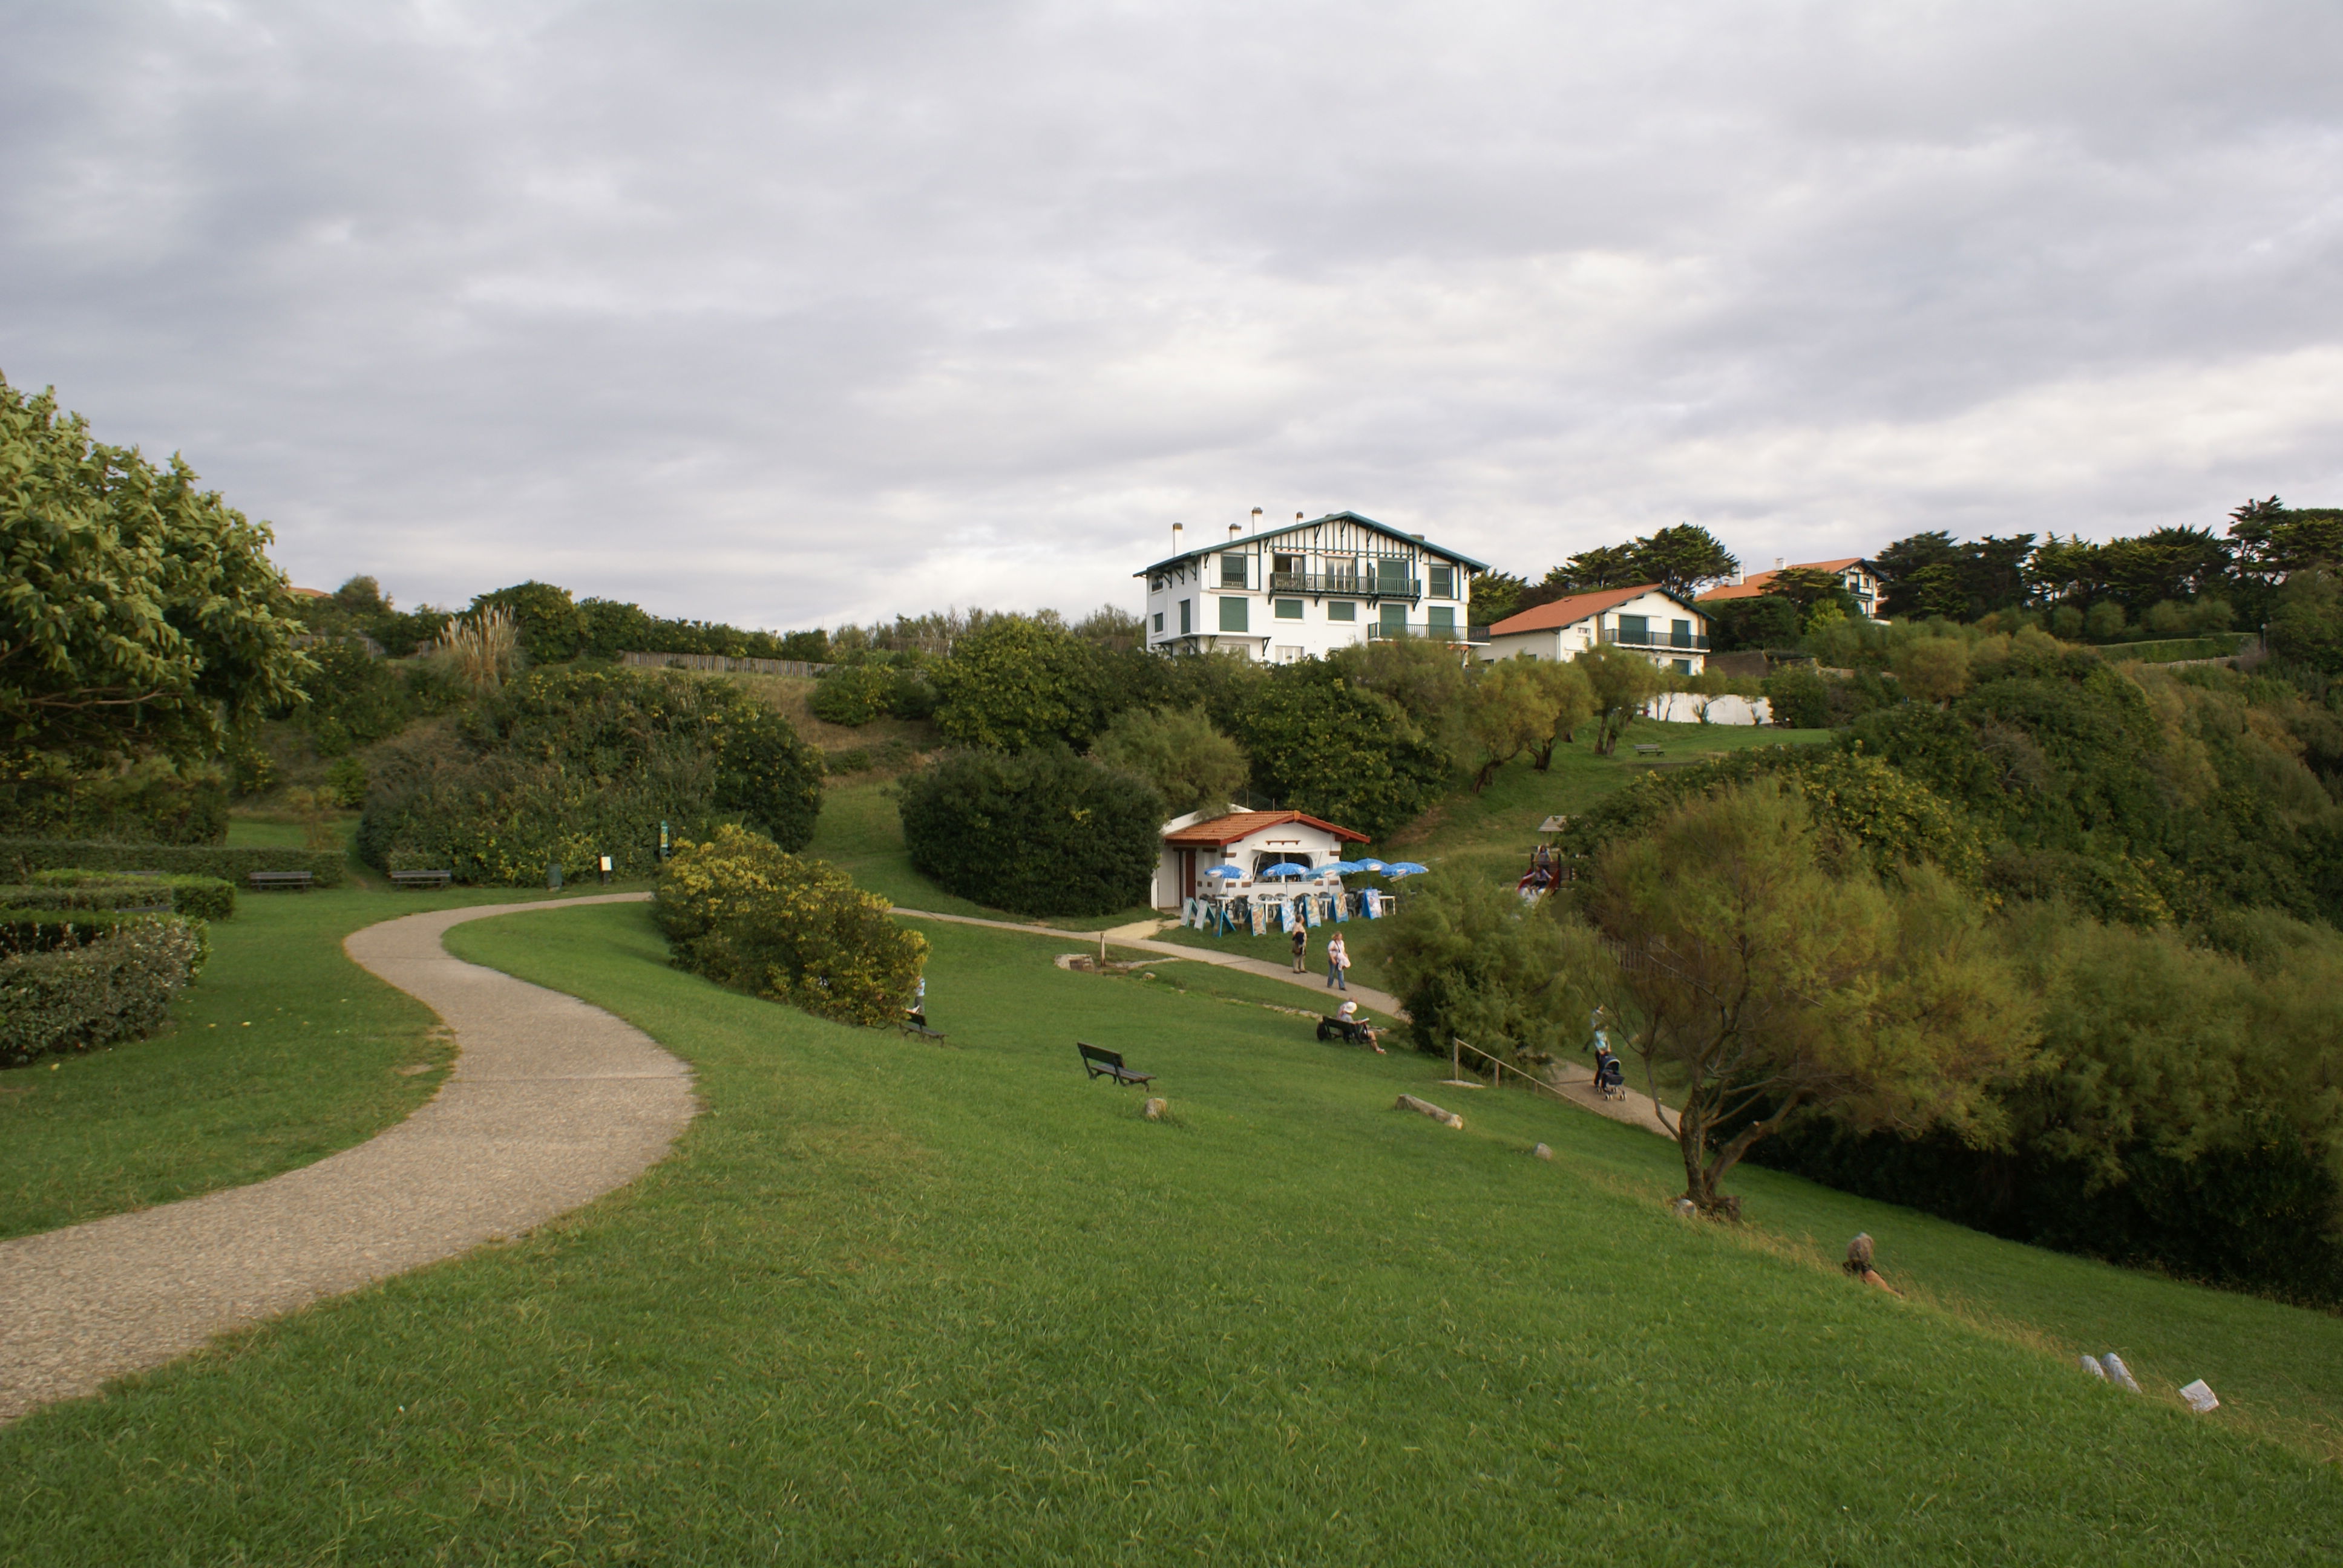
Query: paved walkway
x=1578 y=1083
x=551 y=1104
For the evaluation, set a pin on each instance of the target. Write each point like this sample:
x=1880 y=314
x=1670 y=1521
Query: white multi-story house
x=1289 y=593
x=1647 y=617
x=1860 y=577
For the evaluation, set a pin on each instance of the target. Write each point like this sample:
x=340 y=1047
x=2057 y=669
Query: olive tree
x=1774 y=976
x=1622 y=681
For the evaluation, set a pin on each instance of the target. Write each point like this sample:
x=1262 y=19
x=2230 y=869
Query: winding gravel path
x=551 y=1103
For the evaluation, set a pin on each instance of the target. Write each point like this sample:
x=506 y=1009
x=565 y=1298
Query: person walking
x=1301 y=947
x=1338 y=958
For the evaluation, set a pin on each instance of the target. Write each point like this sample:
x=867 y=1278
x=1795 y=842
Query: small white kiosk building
x=1248 y=840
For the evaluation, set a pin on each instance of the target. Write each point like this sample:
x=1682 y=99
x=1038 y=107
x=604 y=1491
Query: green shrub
x=743 y=912
x=852 y=695
x=354 y=699
x=1044 y=832
x=119 y=987
x=20 y=858
x=1800 y=699
x=197 y=898
x=151 y=800
x=566 y=765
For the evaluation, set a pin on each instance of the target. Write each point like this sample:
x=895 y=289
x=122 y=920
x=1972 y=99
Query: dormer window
x=1232 y=570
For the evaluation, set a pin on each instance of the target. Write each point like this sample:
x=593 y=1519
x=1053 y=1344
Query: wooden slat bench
x=262 y=881
x=918 y=1031
x=1109 y=1064
x=421 y=879
x=1649 y=751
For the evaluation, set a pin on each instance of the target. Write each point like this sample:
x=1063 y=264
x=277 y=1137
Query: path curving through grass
x=552 y=1102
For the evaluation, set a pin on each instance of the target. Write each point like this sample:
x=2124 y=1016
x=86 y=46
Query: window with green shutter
x=1395 y=618
x=1440 y=618
x=1286 y=609
x=1391 y=574
x=1186 y=619
x=1443 y=582
x=1233 y=617
x=1232 y=571
x=1342 y=609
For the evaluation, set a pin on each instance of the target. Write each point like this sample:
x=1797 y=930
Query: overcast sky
x=791 y=314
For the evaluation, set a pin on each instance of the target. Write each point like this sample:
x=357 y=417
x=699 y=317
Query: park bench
x=915 y=1030
x=421 y=879
x=1648 y=751
x=1109 y=1064
x=262 y=881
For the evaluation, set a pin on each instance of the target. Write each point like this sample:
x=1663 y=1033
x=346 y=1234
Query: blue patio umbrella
x=1405 y=868
x=1341 y=868
x=1225 y=871
x=1287 y=869
x=1371 y=865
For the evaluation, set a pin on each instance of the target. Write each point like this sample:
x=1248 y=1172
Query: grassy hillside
x=896 y=1302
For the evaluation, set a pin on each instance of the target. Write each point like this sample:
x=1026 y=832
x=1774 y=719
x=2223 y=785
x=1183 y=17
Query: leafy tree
x=1761 y=621
x=1770 y=987
x=2275 y=541
x=549 y=626
x=1934 y=669
x=1507 y=711
x=1471 y=961
x=354 y=699
x=2104 y=623
x=1904 y=560
x=139 y=615
x=1192 y=764
x=1322 y=745
x=1112 y=629
x=1423 y=678
x=1495 y=595
x=606 y=629
x=1683 y=559
x=1798 y=697
x=1622 y=683
x=742 y=912
x=1589 y=571
x=361 y=596
x=1042 y=832
x=2307 y=628
x=2166 y=564
x=1570 y=702
x=1015 y=683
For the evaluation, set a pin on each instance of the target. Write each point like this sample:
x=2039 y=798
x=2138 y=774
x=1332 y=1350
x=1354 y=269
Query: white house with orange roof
x=1248 y=840
x=1645 y=617
x=1860 y=578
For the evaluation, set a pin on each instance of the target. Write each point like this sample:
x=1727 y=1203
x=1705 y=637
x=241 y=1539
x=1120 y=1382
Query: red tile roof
x=1223 y=831
x=1755 y=583
x=1569 y=611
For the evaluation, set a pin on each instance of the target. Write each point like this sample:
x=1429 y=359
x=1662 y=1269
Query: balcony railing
x=1359 y=583
x=1378 y=631
x=1658 y=641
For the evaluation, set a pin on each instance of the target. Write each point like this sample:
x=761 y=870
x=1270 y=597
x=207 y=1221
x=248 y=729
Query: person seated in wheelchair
x=1346 y=1023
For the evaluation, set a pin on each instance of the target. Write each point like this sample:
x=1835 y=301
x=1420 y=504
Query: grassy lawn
x=282 y=1052
x=893 y=1303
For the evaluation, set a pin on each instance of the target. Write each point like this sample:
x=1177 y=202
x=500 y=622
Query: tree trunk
x=1546 y=756
x=1488 y=770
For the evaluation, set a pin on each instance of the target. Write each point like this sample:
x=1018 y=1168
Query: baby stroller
x=1610 y=1077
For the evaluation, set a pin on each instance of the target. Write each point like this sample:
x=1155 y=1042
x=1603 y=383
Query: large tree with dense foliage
x=1773 y=977
x=1622 y=681
x=1015 y=683
x=139 y=613
x=1323 y=745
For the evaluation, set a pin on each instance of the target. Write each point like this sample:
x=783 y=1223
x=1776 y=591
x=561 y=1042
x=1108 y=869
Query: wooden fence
x=718 y=664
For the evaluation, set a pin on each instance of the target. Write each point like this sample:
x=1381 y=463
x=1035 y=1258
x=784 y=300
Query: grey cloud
x=790 y=314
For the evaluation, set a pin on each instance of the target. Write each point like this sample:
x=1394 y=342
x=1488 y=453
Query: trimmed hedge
x=20 y=858
x=1044 y=832
x=197 y=898
x=120 y=986
x=38 y=931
